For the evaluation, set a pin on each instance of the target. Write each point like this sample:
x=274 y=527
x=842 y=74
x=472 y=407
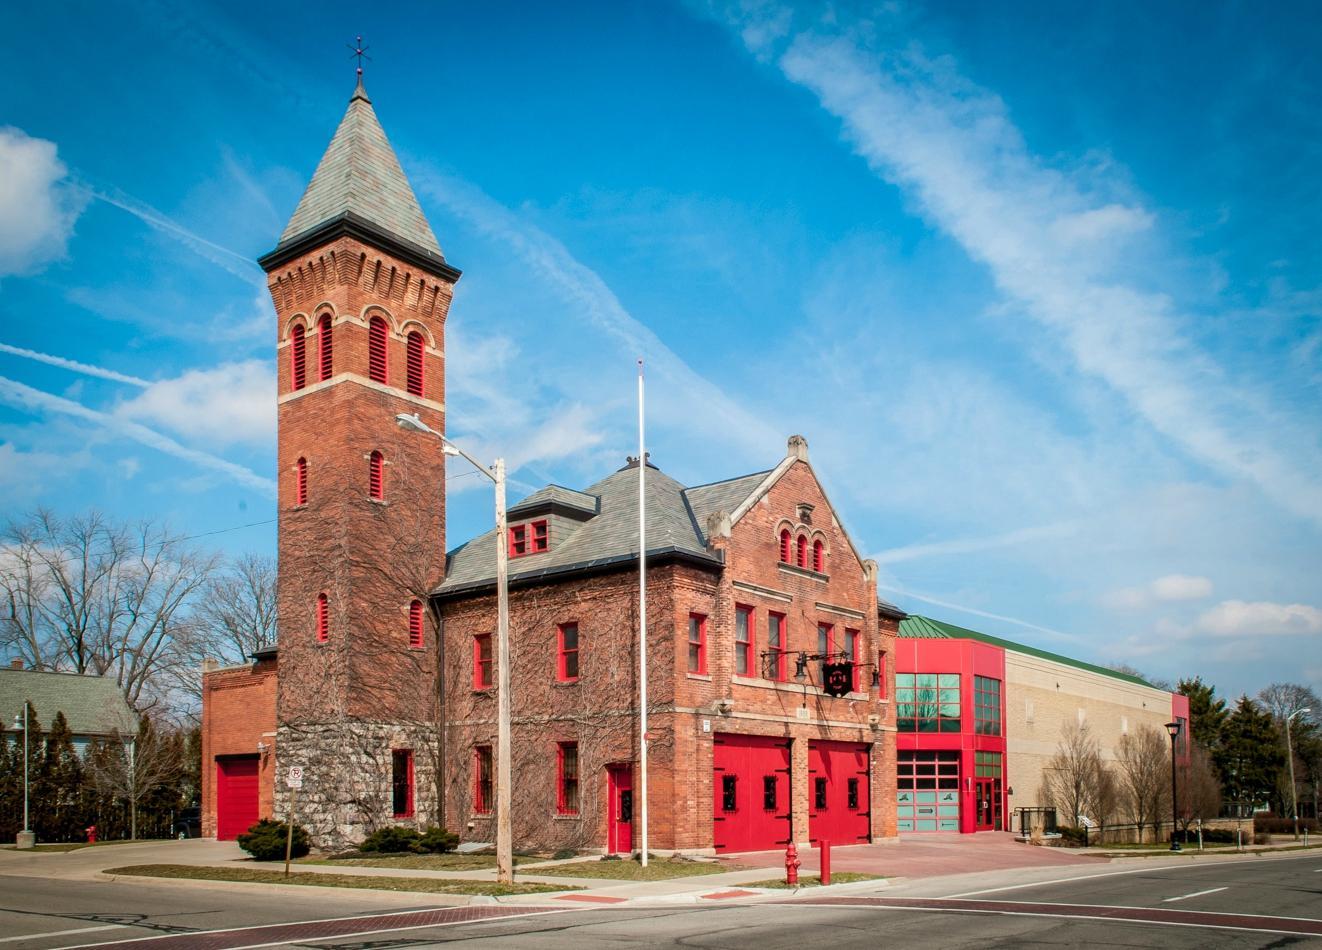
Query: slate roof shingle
x=360 y=173
x=93 y=705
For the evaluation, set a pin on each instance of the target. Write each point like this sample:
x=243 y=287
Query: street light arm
x=412 y=421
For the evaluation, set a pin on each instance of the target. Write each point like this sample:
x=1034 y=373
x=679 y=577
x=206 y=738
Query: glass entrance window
x=986 y=706
x=989 y=771
x=927 y=702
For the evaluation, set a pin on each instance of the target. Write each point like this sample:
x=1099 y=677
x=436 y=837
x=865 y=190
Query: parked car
x=188 y=823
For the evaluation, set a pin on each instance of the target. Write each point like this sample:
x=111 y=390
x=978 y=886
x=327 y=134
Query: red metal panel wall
x=236 y=796
x=832 y=816
x=743 y=769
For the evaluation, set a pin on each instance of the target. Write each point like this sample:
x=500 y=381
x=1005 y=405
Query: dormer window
x=531 y=538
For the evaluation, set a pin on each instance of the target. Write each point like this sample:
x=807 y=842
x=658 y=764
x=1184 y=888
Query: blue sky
x=1040 y=284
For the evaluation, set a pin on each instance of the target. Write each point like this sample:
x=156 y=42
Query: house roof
x=925 y=628
x=604 y=533
x=359 y=175
x=92 y=705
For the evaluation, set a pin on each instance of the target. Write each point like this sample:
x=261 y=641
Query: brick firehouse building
x=384 y=669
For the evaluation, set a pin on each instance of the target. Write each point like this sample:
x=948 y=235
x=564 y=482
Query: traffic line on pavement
x=1306 y=926
x=270 y=935
x=1185 y=897
x=60 y=933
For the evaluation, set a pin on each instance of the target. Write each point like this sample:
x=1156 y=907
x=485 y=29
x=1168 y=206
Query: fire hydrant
x=792 y=863
x=91 y=834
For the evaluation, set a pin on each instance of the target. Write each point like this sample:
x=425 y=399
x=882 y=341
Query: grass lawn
x=1191 y=846
x=658 y=869
x=811 y=880
x=416 y=862
x=79 y=845
x=425 y=885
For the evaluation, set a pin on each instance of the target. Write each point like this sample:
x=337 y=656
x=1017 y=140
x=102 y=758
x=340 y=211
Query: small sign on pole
x=294 y=781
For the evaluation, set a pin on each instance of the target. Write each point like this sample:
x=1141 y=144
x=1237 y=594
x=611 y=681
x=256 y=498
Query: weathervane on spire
x=360 y=51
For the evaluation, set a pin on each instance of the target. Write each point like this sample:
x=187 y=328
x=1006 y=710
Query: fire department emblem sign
x=837 y=678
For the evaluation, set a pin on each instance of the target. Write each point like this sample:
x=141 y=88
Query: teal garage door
x=927 y=787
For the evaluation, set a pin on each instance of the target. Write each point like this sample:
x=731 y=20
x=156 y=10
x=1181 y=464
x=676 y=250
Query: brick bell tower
x=361 y=292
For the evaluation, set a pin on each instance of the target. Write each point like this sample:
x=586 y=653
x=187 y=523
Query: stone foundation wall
x=347 y=792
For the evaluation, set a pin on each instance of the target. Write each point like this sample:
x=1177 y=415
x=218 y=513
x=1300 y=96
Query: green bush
x=1073 y=837
x=564 y=854
x=390 y=840
x=436 y=841
x=265 y=841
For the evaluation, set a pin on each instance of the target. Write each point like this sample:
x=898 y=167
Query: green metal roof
x=916 y=627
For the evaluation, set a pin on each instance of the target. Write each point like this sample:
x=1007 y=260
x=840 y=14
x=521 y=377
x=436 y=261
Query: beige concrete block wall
x=1043 y=695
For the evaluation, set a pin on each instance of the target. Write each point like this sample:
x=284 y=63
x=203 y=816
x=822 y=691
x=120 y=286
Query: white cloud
x=1172 y=587
x=954 y=546
x=952 y=147
x=74 y=366
x=38 y=207
x=1233 y=618
x=34 y=400
x=233 y=403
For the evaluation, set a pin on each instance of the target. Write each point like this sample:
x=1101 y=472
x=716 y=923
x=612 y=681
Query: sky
x=1040 y=283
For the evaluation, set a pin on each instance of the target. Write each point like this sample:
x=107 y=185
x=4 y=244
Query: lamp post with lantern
x=26 y=839
x=1174 y=729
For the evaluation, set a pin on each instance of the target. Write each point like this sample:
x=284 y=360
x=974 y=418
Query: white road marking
x=1185 y=897
x=1258 y=862
x=444 y=923
x=61 y=933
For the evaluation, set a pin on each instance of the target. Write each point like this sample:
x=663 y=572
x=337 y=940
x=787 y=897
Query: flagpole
x=642 y=617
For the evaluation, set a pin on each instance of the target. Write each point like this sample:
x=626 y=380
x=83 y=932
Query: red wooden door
x=236 y=796
x=751 y=792
x=839 y=803
x=619 y=821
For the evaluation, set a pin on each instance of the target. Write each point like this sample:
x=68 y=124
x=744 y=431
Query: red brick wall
x=238 y=712
x=371 y=558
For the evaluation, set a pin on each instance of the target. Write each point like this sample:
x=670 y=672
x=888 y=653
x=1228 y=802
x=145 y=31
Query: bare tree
x=1070 y=777
x=1144 y=777
x=236 y=611
x=130 y=768
x=86 y=595
x=1105 y=799
x=1200 y=789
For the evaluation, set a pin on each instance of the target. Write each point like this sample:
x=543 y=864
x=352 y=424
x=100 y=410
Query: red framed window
x=697 y=643
x=482 y=661
x=802 y=552
x=777 y=648
x=298 y=354
x=566 y=770
x=531 y=538
x=401 y=782
x=301 y=482
x=377 y=335
x=325 y=347
x=415 y=353
x=743 y=640
x=818 y=558
x=323 y=618
x=851 y=653
x=415 y=625
x=785 y=545
x=881 y=674
x=825 y=638
x=566 y=660
x=376 y=483
x=482 y=780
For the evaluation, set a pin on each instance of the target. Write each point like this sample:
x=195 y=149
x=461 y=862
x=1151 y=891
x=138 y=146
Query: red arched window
x=298 y=374
x=376 y=349
x=415 y=363
x=817 y=552
x=802 y=553
x=301 y=483
x=415 y=624
x=323 y=618
x=375 y=478
x=785 y=545
x=324 y=346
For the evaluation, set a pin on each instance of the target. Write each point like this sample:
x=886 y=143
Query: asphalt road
x=1259 y=902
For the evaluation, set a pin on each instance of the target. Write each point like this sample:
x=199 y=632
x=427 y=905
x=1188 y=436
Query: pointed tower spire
x=360 y=187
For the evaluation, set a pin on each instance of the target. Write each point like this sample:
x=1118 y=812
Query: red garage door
x=839 y=808
x=751 y=786
x=236 y=795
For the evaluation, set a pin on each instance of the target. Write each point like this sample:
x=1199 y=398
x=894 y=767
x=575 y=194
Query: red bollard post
x=824 y=875
x=792 y=863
